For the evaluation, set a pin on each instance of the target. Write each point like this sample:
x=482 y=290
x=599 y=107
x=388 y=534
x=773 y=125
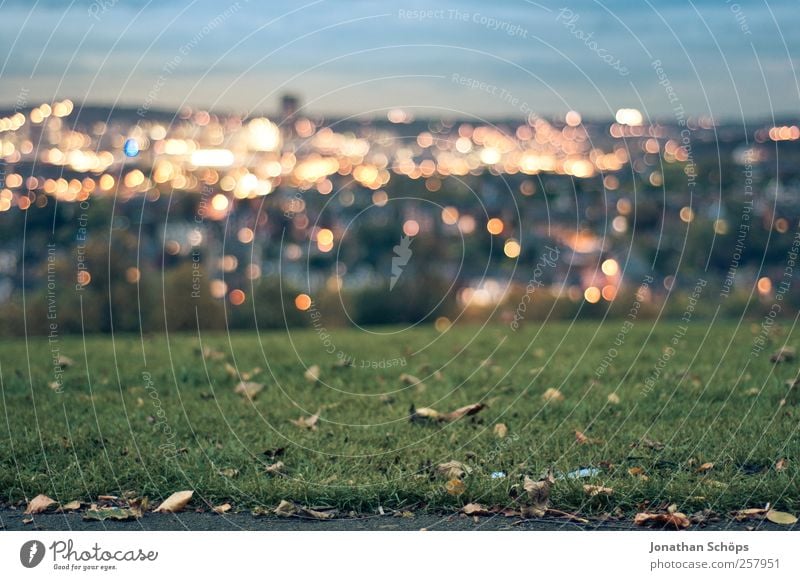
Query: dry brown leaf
x=65 y=361
x=638 y=472
x=613 y=399
x=426 y=413
x=231 y=370
x=581 y=438
x=107 y=498
x=552 y=395
x=248 y=389
x=453 y=470
x=780 y=465
x=409 y=380
x=475 y=509
x=455 y=487
x=538 y=495
x=221 y=509
x=249 y=375
x=312 y=374
x=276 y=468
x=212 y=354
x=593 y=490
x=316 y=514
x=39 y=504
x=708 y=466
x=176 y=502
x=675 y=520
x=500 y=430
x=55 y=385
x=781 y=518
x=464 y=411
x=649 y=443
x=783 y=354
x=71 y=506
x=307 y=422
x=286 y=509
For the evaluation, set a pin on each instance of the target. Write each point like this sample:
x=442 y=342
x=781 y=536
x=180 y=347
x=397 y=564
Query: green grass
x=103 y=433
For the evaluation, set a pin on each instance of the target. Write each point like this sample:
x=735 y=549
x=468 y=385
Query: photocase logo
x=32 y=553
x=402 y=254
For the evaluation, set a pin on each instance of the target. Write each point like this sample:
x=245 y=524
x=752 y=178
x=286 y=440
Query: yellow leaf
x=500 y=430
x=781 y=518
x=176 y=502
x=221 y=509
x=455 y=487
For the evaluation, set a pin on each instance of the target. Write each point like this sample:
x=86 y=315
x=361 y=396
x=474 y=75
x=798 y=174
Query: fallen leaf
x=221 y=509
x=276 y=468
x=780 y=465
x=307 y=422
x=107 y=498
x=409 y=380
x=70 y=507
x=455 y=487
x=212 y=354
x=248 y=389
x=783 y=354
x=567 y=515
x=675 y=520
x=613 y=399
x=112 y=513
x=249 y=375
x=453 y=470
x=538 y=495
x=593 y=490
x=553 y=395
x=500 y=430
x=475 y=509
x=781 y=518
x=65 y=361
x=708 y=466
x=55 y=385
x=649 y=443
x=428 y=414
x=316 y=514
x=286 y=509
x=229 y=472
x=582 y=439
x=231 y=370
x=464 y=411
x=638 y=472
x=175 y=503
x=749 y=513
x=423 y=414
x=312 y=374
x=39 y=504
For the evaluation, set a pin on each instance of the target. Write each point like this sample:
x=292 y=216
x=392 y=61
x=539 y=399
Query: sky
x=470 y=58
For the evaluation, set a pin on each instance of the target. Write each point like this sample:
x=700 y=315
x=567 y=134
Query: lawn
x=154 y=416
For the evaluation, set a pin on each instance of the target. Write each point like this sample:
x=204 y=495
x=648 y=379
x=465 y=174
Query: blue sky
x=720 y=57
